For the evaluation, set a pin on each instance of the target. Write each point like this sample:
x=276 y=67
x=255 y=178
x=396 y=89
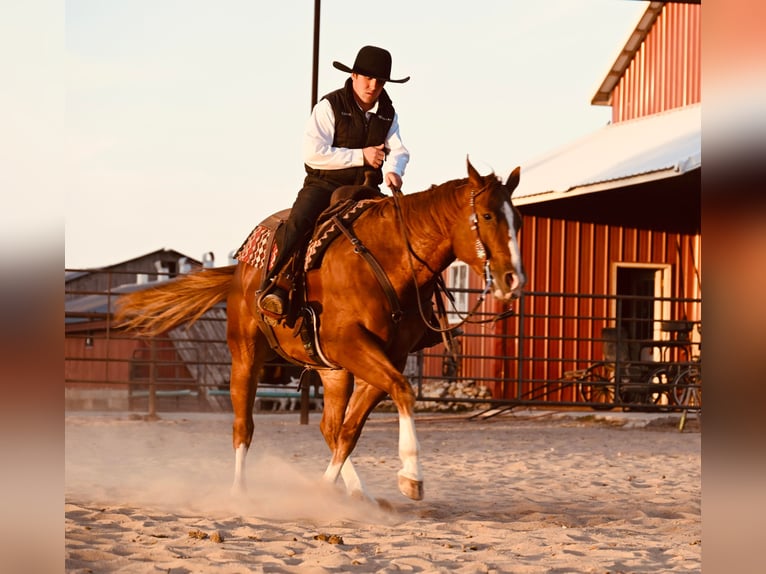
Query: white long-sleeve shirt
x=319 y=153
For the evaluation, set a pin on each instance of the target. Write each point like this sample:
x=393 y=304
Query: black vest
x=353 y=131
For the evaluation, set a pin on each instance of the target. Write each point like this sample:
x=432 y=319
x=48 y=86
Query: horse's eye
x=487 y=216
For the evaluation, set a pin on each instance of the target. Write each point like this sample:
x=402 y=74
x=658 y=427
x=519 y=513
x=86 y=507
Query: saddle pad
x=328 y=230
x=253 y=250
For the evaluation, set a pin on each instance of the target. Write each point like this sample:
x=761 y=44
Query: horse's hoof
x=361 y=496
x=411 y=488
x=238 y=491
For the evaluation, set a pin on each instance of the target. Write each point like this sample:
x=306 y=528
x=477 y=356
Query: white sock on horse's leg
x=352 y=480
x=410 y=477
x=331 y=474
x=239 y=486
x=409 y=450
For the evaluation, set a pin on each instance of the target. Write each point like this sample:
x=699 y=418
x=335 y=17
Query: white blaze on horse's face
x=519 y=279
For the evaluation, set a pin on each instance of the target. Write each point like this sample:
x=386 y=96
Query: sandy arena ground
x=524 y=492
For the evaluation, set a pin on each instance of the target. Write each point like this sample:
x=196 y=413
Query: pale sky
x=183 y=118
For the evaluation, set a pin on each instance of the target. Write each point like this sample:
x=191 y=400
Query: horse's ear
x=473 y=175
x=513 y=180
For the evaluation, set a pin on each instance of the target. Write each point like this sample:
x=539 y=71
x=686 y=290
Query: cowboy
x=352 y=138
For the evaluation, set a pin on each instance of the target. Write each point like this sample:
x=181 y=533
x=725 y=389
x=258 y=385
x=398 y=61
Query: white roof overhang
x=618 y=155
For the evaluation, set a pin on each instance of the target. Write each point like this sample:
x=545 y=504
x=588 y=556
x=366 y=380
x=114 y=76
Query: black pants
x=312 y=200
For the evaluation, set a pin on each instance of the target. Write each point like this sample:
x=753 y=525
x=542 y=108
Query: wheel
x=644 y=389
x=687 y=388
x=597 y=387
x=658 y=395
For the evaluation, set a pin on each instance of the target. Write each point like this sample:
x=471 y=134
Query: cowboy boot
x=272 y=302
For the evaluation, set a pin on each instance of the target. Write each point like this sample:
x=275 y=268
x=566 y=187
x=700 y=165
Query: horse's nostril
x=513 y=282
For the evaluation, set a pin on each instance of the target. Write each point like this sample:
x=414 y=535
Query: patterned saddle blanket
x=260 y=248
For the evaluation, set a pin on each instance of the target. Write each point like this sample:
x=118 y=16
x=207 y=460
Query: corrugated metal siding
x=570 y=257
x=104 y=361
x=665 y=72
x=576 y=257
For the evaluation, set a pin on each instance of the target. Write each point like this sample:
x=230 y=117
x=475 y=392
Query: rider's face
x=367 y=90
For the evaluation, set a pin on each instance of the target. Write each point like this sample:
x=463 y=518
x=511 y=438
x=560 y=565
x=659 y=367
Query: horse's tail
x=155 y=310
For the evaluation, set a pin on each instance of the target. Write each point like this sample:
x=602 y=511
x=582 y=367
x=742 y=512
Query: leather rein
x=440 y=289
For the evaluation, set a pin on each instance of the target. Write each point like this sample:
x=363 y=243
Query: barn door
x=642 y=303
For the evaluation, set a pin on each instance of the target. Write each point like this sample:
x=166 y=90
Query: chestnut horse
x=362 y=336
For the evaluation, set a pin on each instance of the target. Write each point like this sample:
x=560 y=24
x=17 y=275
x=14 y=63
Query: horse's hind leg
x=342 y=422
x=248 y=353
x=338 y=386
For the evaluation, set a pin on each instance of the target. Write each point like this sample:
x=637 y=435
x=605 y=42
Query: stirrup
x=272 y=304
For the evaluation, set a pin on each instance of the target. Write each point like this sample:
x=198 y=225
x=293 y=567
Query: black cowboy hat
x=373 y=62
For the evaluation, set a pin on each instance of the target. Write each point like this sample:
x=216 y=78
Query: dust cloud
x=129 y=461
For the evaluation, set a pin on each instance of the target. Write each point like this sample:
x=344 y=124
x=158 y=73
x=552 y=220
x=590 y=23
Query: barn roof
x=626 y=153
x=164 y=252
x=603 y=95
x=202 y=346
x=99 y=305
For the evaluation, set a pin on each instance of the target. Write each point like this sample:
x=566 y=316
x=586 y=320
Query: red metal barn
x=106 y=369
x=98 y=363
x=614 y=214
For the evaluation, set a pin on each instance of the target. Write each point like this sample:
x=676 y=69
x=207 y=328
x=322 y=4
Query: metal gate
x=556 y=350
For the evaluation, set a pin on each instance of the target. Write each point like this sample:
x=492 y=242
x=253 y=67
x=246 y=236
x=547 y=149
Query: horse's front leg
x=381 y=378
x=410 y=476
x=363 y=401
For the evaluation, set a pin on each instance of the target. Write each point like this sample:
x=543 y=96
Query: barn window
x=457 y=283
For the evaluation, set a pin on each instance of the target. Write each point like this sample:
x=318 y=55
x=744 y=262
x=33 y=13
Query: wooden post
x=152 y=414
x=305 y=401
x=315 y=55
x=314 y=95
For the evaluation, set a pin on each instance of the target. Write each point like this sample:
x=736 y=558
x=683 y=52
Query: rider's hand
x=393 y=180
x=374 y=155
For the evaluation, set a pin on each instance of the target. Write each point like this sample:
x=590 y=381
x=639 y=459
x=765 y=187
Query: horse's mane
x=436 y=207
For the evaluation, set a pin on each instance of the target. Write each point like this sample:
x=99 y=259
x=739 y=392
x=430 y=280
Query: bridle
x=439 y=286
x=481 y=249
